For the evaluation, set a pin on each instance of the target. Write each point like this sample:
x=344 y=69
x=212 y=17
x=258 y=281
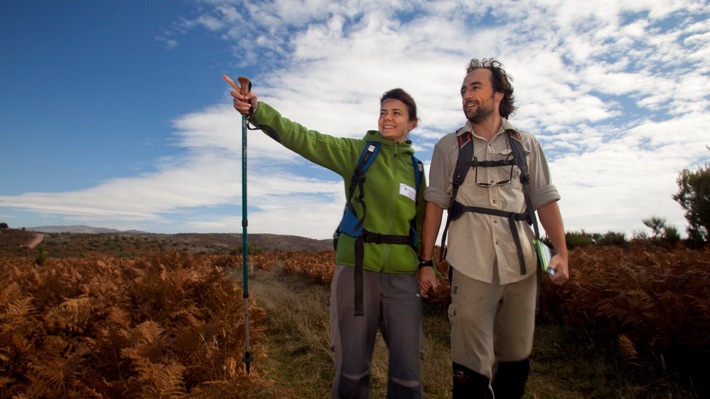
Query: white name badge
x=407 y=191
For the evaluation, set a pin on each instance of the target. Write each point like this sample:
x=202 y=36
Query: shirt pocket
x=505 y=173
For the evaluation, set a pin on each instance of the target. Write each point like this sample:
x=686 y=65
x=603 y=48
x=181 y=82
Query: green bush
x=612 y=238
x=578 y=239
x=42 y=255
x=694 y=196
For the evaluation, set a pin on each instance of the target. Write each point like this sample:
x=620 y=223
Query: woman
x=383 y=271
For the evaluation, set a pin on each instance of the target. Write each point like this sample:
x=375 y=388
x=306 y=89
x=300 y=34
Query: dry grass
x=299 y=341
x=567 y=363
x=171 y=325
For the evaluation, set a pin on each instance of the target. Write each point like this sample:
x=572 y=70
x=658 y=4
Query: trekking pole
x=247 y=359
x=244 y=89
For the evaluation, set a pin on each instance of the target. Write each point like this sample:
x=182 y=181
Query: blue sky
x=114 y=114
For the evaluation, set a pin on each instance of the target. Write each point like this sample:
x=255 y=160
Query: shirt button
x=495 y=222
x=494 y=201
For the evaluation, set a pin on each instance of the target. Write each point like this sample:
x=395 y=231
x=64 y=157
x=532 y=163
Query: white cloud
x=617 y=93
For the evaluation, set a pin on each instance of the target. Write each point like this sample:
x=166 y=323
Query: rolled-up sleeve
x=542 y=191
x=440 y=173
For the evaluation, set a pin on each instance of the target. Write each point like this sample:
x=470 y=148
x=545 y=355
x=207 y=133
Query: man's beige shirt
x=481 y=246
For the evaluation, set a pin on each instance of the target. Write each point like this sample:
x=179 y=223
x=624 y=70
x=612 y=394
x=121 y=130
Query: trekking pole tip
x=247 y=359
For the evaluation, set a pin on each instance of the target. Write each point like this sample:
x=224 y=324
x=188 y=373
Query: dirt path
x=35 y=241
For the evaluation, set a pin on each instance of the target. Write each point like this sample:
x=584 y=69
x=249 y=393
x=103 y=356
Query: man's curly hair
x=500 y=80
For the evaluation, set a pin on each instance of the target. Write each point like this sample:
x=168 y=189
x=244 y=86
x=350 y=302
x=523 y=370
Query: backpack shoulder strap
x=463 y=164
x=418 y=172
x=350 y=223
x=418 y=167
x=367 y=157
x=516 y=145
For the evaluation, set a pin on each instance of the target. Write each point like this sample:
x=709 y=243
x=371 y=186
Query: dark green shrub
x=612 y=238
x=578 y=239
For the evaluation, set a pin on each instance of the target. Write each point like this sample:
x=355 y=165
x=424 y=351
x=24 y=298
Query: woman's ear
x=413 y=124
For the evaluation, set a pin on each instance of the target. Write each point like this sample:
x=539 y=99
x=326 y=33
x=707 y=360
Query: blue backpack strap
x=351 y=224
x=363 y=164
x=418 y=171
x=418 y=167
x=368 y=155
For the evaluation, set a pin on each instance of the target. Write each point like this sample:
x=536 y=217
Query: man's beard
x=483 y=111
x=479 y=115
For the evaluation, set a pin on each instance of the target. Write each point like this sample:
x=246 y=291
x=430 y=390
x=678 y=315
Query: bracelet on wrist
x=424 y=263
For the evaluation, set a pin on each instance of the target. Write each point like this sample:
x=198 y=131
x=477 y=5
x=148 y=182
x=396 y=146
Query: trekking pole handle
x=243 y=88
x=245 y=85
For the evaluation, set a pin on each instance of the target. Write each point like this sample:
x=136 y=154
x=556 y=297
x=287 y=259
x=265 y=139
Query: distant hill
x=78 y=229
x=98 y=241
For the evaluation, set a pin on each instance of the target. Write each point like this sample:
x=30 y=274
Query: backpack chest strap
x=492 y=164
x=375 y=238
x=457 y=209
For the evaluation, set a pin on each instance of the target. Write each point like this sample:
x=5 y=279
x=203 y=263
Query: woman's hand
x=245 y=104
x=428 y=282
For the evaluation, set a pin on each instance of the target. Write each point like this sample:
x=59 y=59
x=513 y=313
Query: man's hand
x=558 y=263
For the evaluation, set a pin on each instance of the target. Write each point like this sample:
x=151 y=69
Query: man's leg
x=510 y=379
x=472 y=313
x=515 y=328
x=468 y=384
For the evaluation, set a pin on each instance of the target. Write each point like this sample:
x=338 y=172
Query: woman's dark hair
x=403 y=96
x=500 y=80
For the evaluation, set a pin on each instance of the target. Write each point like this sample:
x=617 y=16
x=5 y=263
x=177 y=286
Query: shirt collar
x=504 y=125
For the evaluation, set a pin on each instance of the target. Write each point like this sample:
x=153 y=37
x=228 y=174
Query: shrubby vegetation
x=171 y=324
x=694 y=196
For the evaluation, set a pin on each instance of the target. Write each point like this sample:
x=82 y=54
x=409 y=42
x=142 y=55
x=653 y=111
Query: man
x=494 y=277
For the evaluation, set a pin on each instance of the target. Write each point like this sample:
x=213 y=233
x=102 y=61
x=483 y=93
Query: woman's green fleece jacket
x=388 y=181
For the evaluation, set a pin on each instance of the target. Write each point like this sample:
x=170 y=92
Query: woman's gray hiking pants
x=392 y=304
